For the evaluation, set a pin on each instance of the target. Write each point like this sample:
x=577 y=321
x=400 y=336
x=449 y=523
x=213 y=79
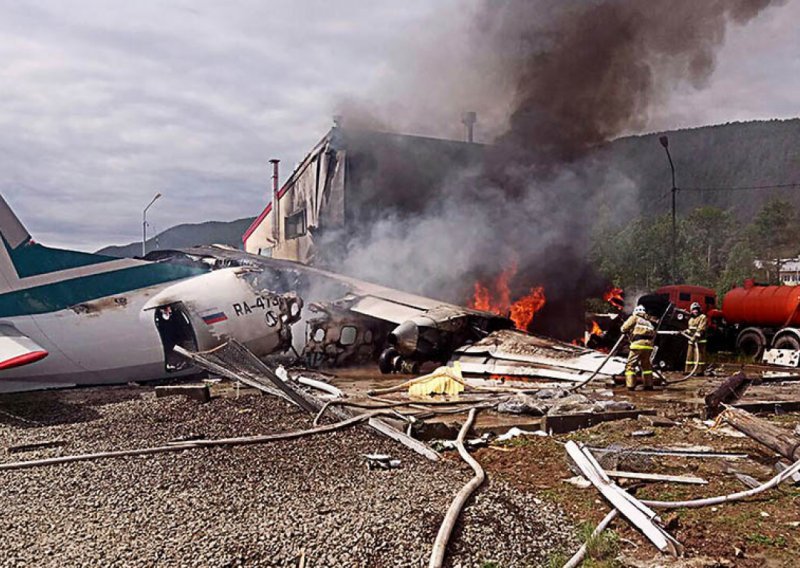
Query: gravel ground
x=245 y=506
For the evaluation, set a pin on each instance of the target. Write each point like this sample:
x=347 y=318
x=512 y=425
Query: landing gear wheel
x=387 y=361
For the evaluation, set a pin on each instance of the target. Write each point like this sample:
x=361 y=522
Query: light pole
x=144 y=224
x=665 y=143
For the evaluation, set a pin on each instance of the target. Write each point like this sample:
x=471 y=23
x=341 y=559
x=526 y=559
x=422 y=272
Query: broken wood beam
x=769 y=406
x=689 y=479
x=200 y=393
x=769 y=435
x=730 y=390
x=563 y=423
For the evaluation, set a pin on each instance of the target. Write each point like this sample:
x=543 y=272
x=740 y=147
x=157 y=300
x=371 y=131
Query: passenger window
x=684 y=297
x=348 y=336
x=711 y=301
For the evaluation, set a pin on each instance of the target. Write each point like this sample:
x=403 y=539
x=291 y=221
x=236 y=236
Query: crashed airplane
x=70 y=318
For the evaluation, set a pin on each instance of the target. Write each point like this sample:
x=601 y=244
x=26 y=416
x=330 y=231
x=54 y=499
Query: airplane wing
x=381 y=302
x=17 y=349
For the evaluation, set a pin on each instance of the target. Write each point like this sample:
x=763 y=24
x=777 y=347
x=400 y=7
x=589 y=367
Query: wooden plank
x=771 y=436
x=199 y=393
x=383 y=427
x=731 y=389
x=562 y=423
x=769 y=406
x=657 y=477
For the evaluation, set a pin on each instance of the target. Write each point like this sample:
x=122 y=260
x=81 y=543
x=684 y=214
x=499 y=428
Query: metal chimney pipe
x=276 y=206
x=469 y=119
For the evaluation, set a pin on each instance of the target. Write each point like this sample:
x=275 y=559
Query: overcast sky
x=104 y=103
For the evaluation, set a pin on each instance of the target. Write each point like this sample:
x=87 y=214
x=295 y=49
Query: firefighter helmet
x=639 y=310
x=695 y=306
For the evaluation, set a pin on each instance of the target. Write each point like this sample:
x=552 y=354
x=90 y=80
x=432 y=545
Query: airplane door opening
x=175 y=328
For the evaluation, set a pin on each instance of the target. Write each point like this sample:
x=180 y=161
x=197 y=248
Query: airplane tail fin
x=14 y=235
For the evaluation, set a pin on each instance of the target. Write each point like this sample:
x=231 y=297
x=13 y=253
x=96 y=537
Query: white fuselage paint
x=115 y=340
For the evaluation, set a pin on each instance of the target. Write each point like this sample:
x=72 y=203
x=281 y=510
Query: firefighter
x=696 y=332
x=641 y=334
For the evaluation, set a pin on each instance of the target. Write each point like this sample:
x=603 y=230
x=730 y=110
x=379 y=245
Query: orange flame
x=615 y=297
x=523 y=310
x=496 y=297
x=596 y=329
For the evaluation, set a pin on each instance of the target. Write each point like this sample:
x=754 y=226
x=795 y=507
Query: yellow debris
x=444 y=380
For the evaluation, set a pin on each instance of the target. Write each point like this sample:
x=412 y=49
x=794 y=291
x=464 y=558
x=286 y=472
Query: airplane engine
x=433 y=336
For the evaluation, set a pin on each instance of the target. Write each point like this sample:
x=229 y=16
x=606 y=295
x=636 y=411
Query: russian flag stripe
x=215 y=318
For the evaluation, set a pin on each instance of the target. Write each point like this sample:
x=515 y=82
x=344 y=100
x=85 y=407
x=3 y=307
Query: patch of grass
x=490 y=564
x=518 y=442
x=556 y=560
x=765 y=540
x=601 y=550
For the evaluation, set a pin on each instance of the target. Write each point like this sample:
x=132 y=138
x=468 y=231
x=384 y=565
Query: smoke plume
x=554 y=81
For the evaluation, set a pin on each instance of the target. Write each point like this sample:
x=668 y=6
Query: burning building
x=348 y=181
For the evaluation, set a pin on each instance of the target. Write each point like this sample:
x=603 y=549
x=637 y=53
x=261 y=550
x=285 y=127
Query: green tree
x=773 y=235
x=706 y=237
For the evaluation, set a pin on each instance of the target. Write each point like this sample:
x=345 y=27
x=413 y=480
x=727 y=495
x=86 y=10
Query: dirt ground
x=763 y=531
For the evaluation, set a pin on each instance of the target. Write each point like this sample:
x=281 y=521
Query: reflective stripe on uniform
x=629 y=373
x=642 y=347
x=647 y=372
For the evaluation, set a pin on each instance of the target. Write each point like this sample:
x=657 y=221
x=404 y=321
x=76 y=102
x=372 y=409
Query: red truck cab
x=683 y=296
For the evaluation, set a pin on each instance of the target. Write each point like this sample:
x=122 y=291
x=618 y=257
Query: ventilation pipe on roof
x=469 y=119
x=276 y=206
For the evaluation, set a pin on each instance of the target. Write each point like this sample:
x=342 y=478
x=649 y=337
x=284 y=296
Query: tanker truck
x=756 y=317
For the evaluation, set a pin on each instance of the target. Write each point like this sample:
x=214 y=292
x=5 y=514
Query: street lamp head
x=664 y=141
x=157 y=196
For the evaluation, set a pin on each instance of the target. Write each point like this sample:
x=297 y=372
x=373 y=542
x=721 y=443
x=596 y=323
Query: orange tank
x=766 y=306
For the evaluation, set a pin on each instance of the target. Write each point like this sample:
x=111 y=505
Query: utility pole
x=144 y=224
x=665 y=143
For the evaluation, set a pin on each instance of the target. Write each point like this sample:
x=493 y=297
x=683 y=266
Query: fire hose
x=693 y=345
x=597 y=370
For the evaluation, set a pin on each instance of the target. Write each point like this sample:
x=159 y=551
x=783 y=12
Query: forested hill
x=730 y=155
x=187 y=235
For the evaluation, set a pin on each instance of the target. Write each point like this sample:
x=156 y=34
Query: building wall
x=315 y=191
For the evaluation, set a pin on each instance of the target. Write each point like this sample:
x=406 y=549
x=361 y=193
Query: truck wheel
x=751 y=342
x=787 y=342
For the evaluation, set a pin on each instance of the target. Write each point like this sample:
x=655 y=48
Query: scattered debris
x=32 y=446
x=747 y=480
x=640 y=516
x=523 y=404
x=199 y=393
x=381 y=461
x=775 y=438
x=688 y=479
x=475 y=443
x=690 y=452
x=515 y=432
x=782 y=466
x=657 y=421
x=642 y=433
x=730 y=390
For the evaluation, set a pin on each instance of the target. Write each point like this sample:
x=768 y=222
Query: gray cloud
x=102 y=104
